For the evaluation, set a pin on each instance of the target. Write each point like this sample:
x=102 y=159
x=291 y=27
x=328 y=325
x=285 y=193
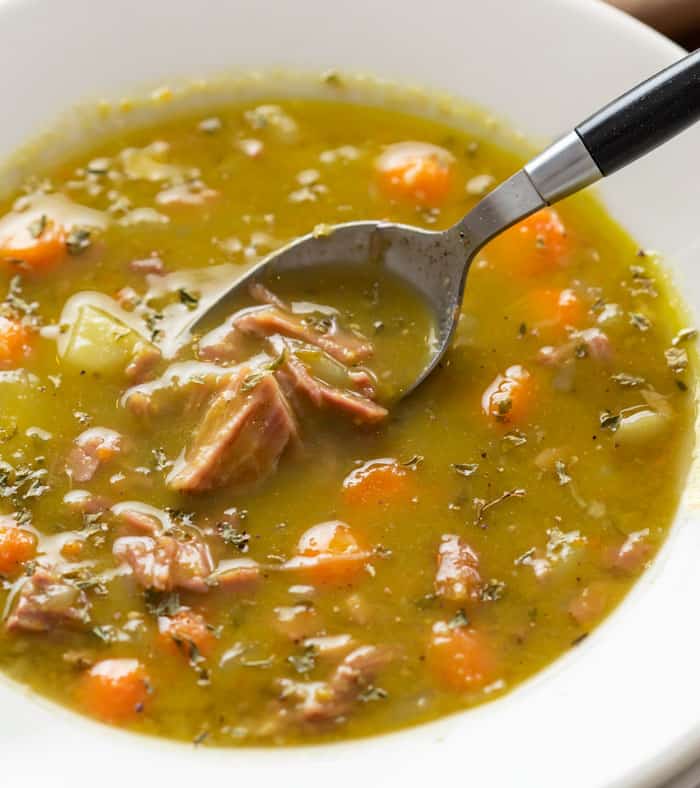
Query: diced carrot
x=17 y=545
x=35 y=247
x=186 y=633
x=537 y=245
x=415 y=172
x=461 y=658
x=329 y=553
x=15 y=343
x=554 y=308
x=377 y=482
x=507 y=398
x=115 y=690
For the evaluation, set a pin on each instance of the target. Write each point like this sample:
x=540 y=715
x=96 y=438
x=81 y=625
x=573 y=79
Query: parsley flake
x=459 y=620
x=78 y=241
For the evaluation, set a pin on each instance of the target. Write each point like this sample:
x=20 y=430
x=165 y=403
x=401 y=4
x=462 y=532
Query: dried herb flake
x=79 y=239
x=160 y=603
x=459 y=620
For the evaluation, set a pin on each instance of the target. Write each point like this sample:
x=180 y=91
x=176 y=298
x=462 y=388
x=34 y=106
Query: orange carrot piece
x=35 y=248
x=17 y=545
x=460 y=658
x=15 y=343
x=508 y=398
x=415 y=172
x=377 y=482
x=329 y=553
x=549 y=308
x=115 y=690
x=180 y=632
x=538 y=245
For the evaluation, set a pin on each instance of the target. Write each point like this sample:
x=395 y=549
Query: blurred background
x=678 y=19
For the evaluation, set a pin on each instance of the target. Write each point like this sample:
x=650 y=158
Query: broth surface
x=468 y=537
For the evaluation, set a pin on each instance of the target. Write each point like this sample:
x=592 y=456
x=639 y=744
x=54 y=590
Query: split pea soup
x=243 y=537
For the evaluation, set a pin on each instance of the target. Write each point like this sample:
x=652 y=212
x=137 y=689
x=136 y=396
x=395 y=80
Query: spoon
x=436 y=263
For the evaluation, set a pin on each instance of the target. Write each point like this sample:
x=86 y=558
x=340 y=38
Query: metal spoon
x=436 y=263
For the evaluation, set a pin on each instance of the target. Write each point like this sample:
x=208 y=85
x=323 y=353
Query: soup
x=244 y=535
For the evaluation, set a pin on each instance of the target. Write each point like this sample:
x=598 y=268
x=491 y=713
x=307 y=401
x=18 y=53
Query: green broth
x=537 y=548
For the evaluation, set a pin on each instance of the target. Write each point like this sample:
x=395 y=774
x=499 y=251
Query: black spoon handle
x=644 y=117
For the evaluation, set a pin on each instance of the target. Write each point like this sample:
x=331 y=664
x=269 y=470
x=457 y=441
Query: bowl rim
x=662 y=765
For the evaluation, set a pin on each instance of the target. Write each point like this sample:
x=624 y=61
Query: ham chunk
x=145 y=360
x=236 y=575
x=223 y=344
x=164 y=563
x=331 y=701
x=46 y=601
x=457 y=577
x=298 y=380
x=265 y=296
x=243 y=434
x=631 y=555
x=90 y=450
x=143 y=522
x=343 y=345
x=588 y=606
x=183 y=389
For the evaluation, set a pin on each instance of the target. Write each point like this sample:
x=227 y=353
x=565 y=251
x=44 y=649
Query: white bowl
x=623 y=709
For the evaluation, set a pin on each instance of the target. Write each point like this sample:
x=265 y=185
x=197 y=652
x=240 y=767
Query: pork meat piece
x=331 y=701
x=165 y=563
x=343 y=345
x=243 y=434
x=47 y=601
x=90 y=450
x=457 y=577
x=297 y=379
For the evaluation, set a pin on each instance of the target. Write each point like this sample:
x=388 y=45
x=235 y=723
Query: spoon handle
x=619 y=133
x=644 y=117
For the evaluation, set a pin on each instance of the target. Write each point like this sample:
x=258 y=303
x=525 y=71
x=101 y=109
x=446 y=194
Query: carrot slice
x=15 y=343
x=538 y=245
x=507 y=399
x=460 y=658
x=16 y=546
x=186 y=633
x=115 y=690
x=377 y=482
x=35 y=247
x=329 y=553
x=549 y=308
x=415 y=172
